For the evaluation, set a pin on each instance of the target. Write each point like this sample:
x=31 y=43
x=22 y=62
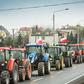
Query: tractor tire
x=6 y=80
x=28 y=72
x=78 y=59
x=67 y=61
x=22 y=74
x=57 y=64
x=82 y=58
x=41 y=68
x=15 y=74
x=62 y=63
x=71 y=62
x=47 y=67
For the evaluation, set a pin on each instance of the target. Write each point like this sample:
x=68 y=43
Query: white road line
x=37 y=79
x=74 y=79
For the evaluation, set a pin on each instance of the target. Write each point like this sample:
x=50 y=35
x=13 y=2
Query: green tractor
x=66 y=54
x=56 y=58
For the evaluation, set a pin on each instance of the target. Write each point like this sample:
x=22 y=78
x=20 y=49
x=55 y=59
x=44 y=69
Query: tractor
x=76 y=53
x=12 y=65
x=56 y=58
x=8 y=67
x=24 y=65
x=39 y=58
x=66 y=54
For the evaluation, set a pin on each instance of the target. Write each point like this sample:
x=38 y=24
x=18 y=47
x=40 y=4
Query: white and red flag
x=64 y=40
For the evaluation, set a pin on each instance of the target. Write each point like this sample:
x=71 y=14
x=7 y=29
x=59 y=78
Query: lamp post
x=54 y=17
x=54 y=22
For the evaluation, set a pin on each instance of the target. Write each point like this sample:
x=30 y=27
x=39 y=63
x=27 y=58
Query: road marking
x=74 y=79
x=37 y=79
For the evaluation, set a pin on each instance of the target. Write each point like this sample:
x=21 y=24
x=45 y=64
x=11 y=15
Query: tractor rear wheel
x=15 y=74
x=67 y=61
x=22 y=74
x=28 y=72
x=41 y=68
x=47 y=67
x=82 y=58
x=78 y=59
x=57 y=64
x=71 y=62
x=61 y=63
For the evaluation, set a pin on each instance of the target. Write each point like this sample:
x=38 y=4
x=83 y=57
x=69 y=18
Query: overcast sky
x=41 y=16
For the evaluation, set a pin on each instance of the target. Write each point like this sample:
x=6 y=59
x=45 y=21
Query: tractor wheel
x=47 y=67
x=71 y=62
x=57 y=64
x=61 y=63
x=22 y=74
x=78 y=59
x=28 y=72
x=67 y=61
x=41 y=68
x=7 y=79
x=15 y=74
x=83 y=58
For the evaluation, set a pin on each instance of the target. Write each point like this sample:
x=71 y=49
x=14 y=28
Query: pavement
x=65 y=76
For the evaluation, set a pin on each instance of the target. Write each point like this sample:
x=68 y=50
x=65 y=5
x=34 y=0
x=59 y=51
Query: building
x=51 y=39
x=25 y=31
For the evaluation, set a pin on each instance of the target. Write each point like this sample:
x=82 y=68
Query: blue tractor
x=39 y=58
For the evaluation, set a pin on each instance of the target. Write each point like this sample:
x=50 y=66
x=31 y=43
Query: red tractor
x=24 y=65
x=8 y=67
x=76 y=53
x=14 y=65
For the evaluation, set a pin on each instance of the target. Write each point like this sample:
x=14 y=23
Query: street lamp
x=54 y=17
x=54 y=22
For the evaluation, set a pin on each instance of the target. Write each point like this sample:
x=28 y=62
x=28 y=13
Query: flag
x=64 y=40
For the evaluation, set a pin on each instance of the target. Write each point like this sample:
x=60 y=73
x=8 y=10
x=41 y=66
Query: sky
x=40 y=16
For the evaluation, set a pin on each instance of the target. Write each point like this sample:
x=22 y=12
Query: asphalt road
x=58 y=77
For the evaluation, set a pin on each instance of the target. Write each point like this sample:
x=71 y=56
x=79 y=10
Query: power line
x=34 y=7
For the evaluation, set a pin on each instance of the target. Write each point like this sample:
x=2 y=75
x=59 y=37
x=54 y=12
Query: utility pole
x=53 y=22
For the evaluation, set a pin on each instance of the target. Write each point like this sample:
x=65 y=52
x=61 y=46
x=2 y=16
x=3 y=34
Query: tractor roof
x=4 y=48
x=34 y=45
x=18 y=49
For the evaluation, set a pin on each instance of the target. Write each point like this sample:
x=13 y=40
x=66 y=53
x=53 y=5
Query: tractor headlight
x=2 y=64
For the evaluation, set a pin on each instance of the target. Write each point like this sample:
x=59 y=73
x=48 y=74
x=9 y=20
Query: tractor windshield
x=16 y=54
x=34 y=49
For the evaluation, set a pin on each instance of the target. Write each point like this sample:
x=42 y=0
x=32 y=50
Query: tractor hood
x=32 y=57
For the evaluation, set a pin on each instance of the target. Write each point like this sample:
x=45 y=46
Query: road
x=58 y=77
